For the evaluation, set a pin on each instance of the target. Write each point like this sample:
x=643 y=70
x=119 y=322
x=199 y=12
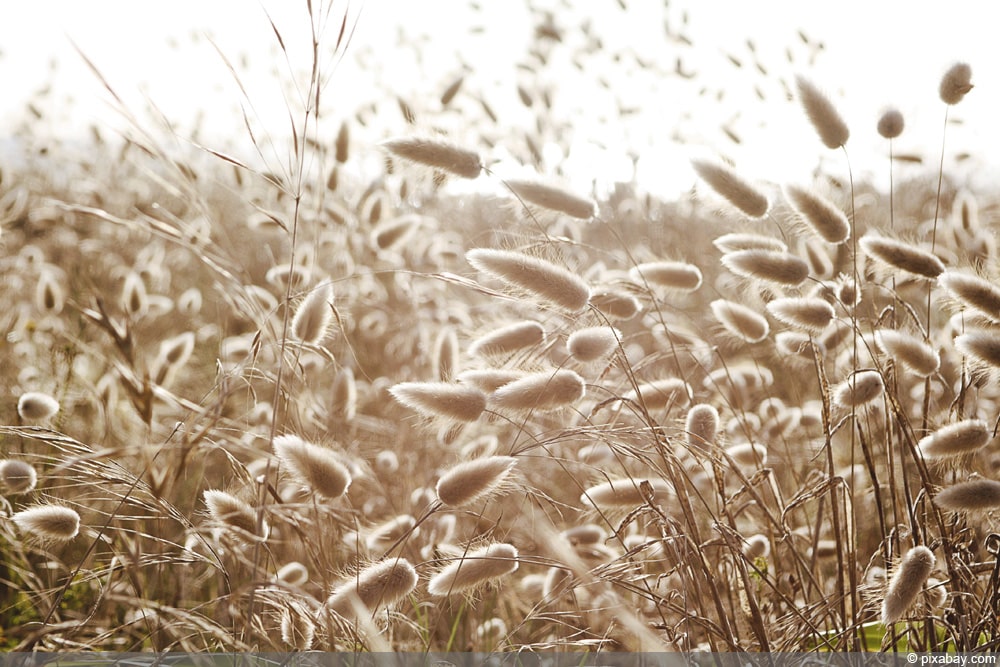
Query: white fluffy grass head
x=438 y=154
x=900 y=255
x=474 y=568
x=627 y=492
x=593 y=343
x=17 y=476
x=973 y=292
x=312 y=319
x=615 y=304
x=452 y=401
x=540 y=278
x=553 y=198
x=674 y=275
x=809 y=314
x=781 y=268
x=963 y=437
x=232 y=513
x=859 y=389
x=508 y=339
x=955 y=83
x=825 y=119
x=825 y=219
x=474 y=481
x=377 y=586
x=541 y=391
x=316 y=467
x=732 y=187
x=48 y=523
x=906 y=583
x=661 y=394
x=977 y=495
x=741 y=321
x=982 y=345
x=35 y=406
x=701 y=427
x=910 y=351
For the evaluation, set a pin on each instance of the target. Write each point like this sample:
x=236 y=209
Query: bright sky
x=874 y=53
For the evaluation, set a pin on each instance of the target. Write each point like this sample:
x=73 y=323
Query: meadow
x=292 y=405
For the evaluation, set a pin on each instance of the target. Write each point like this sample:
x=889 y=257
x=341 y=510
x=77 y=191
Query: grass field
x=288 y=404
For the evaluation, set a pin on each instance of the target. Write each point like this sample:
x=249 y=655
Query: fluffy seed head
x=908 y=350
x=627 y=492
x=441 y=399
x=902 y=256
x=543 y=279
x=661 y=394
x=747 y=454
x=593 y=343
x=473 y=481
x=956 y=439
x=906 y=583
x=316 y=467
x=508 y=339
x=444 y=359
x=731 y=186
x=344 y=394
x=832 y=129
x=395 y=232
x=36 y=406
x=614 y=304
x=973 y=496
x=18 y=476
x=473 y=569
x=292 y=574
x=828 y=221
x=890 y=124
x=746 y=241
x=48 y=523
x=438 y=154
x=757 y=546
x=676 y=275
x=983 y=345
x=955 y=83
x=297 y=628
x=740 y=321
x=806 y=313
x=545 y=390
x=973 y=292
x=859 y=389
x=230 y=511
x=377 y=586
x=313 y=316
x=769 y=265
x=552 y=198
x=702 y=427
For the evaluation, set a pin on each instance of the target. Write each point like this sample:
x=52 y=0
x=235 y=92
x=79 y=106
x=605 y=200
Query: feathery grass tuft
x=732 y=187
x=553 y=198
x=437 y=154
x=828 y=221
x=48 y=523
x=832 y=129
x=441 y=399
x=473 y=569
x=780 y=268
x=906 y=583
x=316 y=467
x=473 y=481
x=956 y=439
x=536 y=276
x=542 y=391
x=973 y=496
